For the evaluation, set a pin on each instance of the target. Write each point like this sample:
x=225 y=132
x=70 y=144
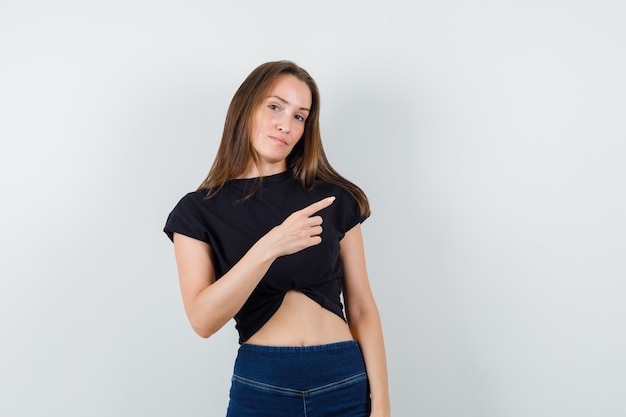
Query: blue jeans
x=292 y=381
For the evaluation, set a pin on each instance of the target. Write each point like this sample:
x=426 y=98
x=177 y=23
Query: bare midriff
x=300 y=321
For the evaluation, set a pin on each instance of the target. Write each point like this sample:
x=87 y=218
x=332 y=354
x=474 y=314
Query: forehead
x=292 y=90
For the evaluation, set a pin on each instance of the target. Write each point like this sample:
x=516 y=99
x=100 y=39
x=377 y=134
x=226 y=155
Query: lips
x=279 y=141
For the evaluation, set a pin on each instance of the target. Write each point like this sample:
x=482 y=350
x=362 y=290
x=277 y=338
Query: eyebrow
x=286 y=102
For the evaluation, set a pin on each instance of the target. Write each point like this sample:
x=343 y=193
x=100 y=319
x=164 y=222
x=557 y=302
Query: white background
x=490 y=137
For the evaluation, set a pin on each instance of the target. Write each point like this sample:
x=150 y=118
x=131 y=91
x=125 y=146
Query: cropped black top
x=231 y=226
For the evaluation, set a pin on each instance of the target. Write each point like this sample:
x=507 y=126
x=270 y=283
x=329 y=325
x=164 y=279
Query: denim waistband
x=299 y=367
x=348 y=344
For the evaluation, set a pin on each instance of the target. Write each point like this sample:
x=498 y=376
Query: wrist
x=264 y=250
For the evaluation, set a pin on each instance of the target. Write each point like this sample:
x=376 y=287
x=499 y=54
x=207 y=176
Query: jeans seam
x=267 y=387
x=295 y=392
x=342 y=383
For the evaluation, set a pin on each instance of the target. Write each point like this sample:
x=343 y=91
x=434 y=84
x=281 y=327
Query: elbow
x=202 y=332
x=204 y=323
x=362 y=315
x=203 y=328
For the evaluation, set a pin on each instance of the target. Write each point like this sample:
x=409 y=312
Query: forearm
x=218 y=303
x=367 y=330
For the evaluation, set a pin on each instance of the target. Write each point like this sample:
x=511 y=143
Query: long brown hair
x=307 y=161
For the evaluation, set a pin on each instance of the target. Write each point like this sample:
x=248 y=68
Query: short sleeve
x=352 y=212
x=187 y=218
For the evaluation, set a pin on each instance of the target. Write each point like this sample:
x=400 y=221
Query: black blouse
x=231 y=226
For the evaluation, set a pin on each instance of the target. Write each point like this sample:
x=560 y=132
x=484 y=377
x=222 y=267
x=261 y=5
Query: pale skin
x=210 y=303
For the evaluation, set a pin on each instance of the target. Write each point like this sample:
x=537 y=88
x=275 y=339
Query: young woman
x=272 y=238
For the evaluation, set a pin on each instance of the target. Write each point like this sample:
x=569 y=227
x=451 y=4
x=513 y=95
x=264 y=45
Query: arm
x=211 y=303
x=364 y=320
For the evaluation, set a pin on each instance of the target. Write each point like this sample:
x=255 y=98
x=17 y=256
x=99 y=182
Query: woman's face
x=278 y=122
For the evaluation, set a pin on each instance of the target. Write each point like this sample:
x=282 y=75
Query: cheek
x=257 y=128
x=300 y=138
x=257 y=124
x=300 y=132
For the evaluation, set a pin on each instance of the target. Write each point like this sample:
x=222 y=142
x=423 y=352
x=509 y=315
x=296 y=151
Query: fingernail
x=332 y=198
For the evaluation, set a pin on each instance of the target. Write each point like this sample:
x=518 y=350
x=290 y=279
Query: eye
x=274 y=107
x=300 y=118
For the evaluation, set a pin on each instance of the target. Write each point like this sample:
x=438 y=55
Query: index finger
x=317 y=206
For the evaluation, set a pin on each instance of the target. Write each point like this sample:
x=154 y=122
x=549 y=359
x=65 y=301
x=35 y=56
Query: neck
x=263 y=169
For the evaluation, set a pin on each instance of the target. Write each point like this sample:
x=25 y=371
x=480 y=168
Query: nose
x=284 y=124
